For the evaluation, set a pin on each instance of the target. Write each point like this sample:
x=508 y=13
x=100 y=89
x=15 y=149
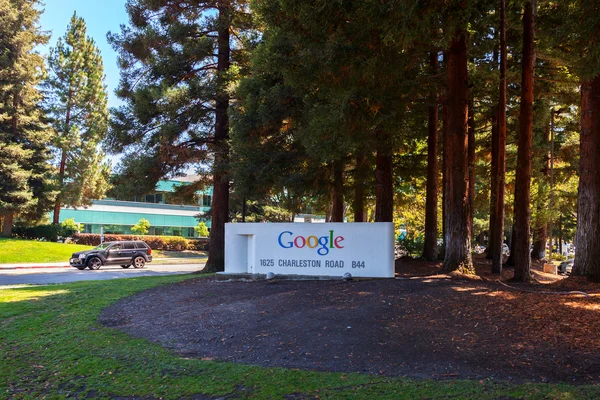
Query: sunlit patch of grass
x=27 y=293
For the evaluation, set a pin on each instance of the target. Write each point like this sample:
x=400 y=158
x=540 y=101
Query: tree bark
x=220 y=205
x=471 y=167
x=523 y=179
x=359 y=189
x=63 y=163
x=500 y=191
x=493 y=176
x=7 y=223
x=458 y=247
x=540 y=234
x=337 y=207
x=61 y=178
x=431 y=229
x=384 y=202
x=445 y=164
x=540 y=237
x=587 y=256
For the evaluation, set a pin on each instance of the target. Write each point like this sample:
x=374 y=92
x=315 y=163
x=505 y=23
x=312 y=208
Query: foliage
x=49 y=232
x=26 y=186
x=16 y=251
x=76 y=100
x=201 y=229
x=69 y=227
x=411 y=245
x=141 y=227
x=155 y=242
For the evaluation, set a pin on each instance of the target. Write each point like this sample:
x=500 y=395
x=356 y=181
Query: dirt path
x=434 y=328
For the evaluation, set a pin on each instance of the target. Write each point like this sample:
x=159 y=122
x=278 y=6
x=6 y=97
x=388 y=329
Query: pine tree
x=25 y=173
x=77 y=103
x=177 y=64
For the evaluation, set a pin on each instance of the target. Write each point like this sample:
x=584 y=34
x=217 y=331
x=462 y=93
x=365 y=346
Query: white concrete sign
x=330 y=249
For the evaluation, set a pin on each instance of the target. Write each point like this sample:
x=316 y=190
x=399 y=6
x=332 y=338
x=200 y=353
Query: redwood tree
x=522 y=240
x=458 y=246
x=587 y=255
x=431 y=228
x=497 y=229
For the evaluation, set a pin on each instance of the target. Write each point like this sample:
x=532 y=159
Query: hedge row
x=177 y=243
x=50 y=232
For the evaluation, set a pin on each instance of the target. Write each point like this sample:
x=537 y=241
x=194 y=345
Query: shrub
x=200 y=244
x=412 y=246
x=176 y=243
x=69 y=227
x=201 y=229
x=142 y=227
x=49 y=232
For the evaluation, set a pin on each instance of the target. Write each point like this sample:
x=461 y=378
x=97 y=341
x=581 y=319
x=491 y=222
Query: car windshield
x=102 y=246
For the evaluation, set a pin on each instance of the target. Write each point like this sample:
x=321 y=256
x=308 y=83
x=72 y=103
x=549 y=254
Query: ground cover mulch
x=415 y=326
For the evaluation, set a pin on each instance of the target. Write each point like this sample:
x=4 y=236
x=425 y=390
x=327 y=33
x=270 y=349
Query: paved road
x=63 y=275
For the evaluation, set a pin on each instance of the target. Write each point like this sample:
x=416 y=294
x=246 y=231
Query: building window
x=206 y=200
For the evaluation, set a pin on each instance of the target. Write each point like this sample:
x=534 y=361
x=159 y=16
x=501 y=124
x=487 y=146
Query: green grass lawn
x=14 y=251
x=51 y=346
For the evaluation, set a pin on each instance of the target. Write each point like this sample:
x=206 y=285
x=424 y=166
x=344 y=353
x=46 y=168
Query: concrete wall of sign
x=328 y=249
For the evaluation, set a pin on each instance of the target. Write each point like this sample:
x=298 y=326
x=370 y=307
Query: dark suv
x=123 y=253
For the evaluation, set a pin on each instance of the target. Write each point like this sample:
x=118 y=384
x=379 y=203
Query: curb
x=161 y=261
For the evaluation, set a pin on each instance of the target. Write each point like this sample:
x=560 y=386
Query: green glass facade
x=118 y=216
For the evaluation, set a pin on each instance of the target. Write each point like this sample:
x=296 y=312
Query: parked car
x=566 y=267
x=123 y=253
x=505 y=249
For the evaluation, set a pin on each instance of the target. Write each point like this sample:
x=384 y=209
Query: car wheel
x=80 y=268
x=94 y=263
x=139 y=262
x=125 y=266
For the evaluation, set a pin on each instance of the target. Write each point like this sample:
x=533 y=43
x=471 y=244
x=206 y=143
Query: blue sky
x=100 y=17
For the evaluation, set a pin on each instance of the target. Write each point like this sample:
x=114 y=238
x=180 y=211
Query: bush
x=70 y=227
x=176 y=243
x=411 y=246
x=201 y=229
x=49 y=232
x=142 y=227
x=198 y=244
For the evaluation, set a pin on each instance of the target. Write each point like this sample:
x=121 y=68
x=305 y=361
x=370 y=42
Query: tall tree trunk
x=63 y=162
x=445 y=159
x=587 y=256
x=7 y=224
x=384 y=202
x=500 y=192
x=220 y=205
x=551 y=222
x=458 y=247
x=61 y=179
x=560 y=236
x=431 y=229
x=471 y=167
x=337 y=207
x=523 y=179
x=540 y=234
x=493 y=176
x=359 y=189
x=540 y=238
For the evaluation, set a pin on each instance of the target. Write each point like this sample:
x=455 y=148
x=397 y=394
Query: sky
x=101 y=16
